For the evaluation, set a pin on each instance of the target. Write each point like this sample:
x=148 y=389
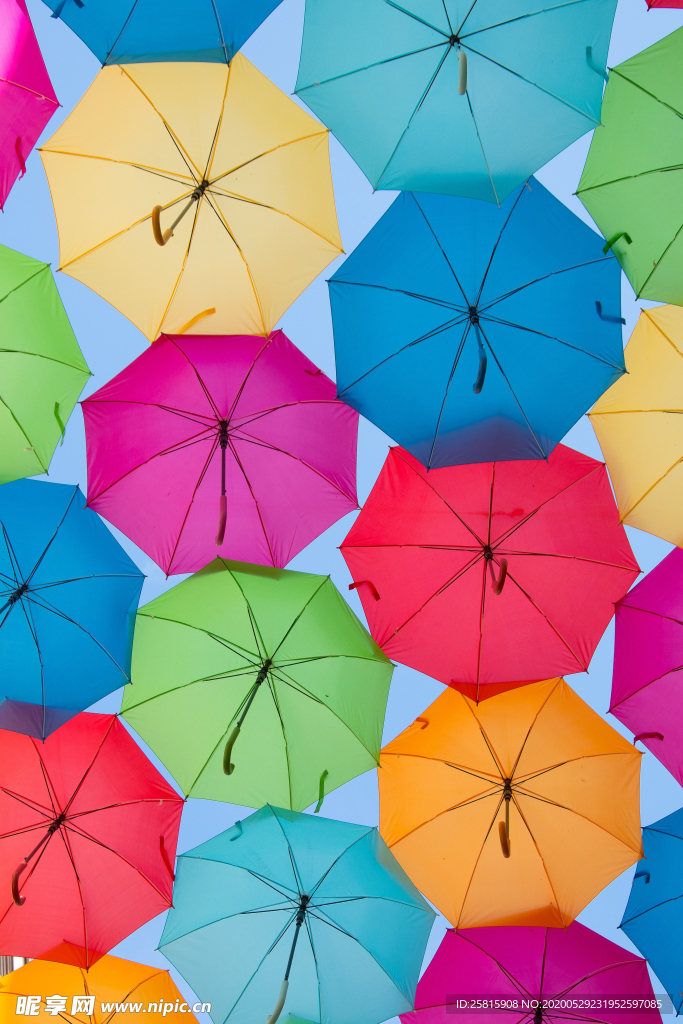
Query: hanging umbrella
x=43 y=369
x=108 y=988
x=87 y=841
x=68 y=596
x=664 y=3
x=192 y=196
x=652 y=919
x=27 y=99
x=517 y=811
x=321 y=903
x=254 y=684
x=531 y=975
x=182 y=30
x=648 y=659
x=489 y=576
x=463 y=98
x=639 y=426
x=243 y=433
x=469 y=332
x=631 y=184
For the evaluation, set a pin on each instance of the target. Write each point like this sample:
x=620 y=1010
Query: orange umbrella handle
x=504 y=840
x=159 y=238
x=19 y=900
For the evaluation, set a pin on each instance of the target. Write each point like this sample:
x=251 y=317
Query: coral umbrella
x=27 y=99
x=99 y=995
x=640 y=429
x=321 y=902
x=491 y=575
x=532 y=975
x=648 y=661
x=87 y=841
x=68 y=597
x=631 y=184
x=43 y=369
x=240 y=433
x=516 y=811
x=192 y=196
x=253 y=684
x=471 y=333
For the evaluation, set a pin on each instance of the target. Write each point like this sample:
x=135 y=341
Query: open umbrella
x=27 y=99
x=530 y=975
x=43 y=369
x=516 y=811
x=652 y=919
x=491 y=575
x=631 y=184
x=647 y=685
x=137 y=31
x=193 y=197
x=639 y=426
x=469 y=332
x=68 y=597
x=243 y=434
x=254 y=684
x=321 y=903
x=87 y=841
x=464 y=98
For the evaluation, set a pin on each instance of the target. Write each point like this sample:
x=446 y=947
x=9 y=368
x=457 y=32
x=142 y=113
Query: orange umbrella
x=516 y=811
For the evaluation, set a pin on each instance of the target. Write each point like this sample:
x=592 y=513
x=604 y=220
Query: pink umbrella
x=244 y=432
x=533 y=975
x=27 y=99
x=647 y=684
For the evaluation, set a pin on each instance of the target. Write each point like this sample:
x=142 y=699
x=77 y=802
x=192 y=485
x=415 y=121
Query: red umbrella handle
x=19 y=900
x=500 y=582
x=165 y=858
x=366 y=583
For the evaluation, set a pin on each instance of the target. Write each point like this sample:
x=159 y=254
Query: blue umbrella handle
x=481 y=376
x=462 y=72
x=60 y=7
x=607 y=317
x=611 y=242
x=643 y=874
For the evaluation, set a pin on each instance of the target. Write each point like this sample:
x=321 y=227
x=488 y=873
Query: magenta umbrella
x=210 y=445
x=27 y=99
x=647 y=684
x=534 y=975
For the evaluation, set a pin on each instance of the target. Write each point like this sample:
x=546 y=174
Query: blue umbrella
x=141 y=31
x=68 y=597
x=455 y=96
x=653 y=918
x=472 y=333
x=318 y=911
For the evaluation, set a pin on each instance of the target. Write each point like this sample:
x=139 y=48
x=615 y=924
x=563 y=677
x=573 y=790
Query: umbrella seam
x=448 y=387
x=551 y=337
x=512 y=392
x=35 y=454
x=441 y=248
x=123 y=29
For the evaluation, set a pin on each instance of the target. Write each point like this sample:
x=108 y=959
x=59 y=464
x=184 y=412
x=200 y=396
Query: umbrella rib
x=28 y=613
x=28 y=440
x=240 y=391
x=42 y=355
x=432 y=299
x=154 y=801
x=250 y=418
x=438 y=495
x=123 y=29
x=221 y=35
x=403 y=10
x=462 y=23
x=187 y=159
x=512 y=392
x=320 y=130
x=34 y=92
x=497 y=243
x=551 y=337
x=225 y=194
x=258 y=966
x=254 y=499
x=584 y=817
x=202 y=384
x=481 y=146
x=316 y=886
x=41 y=270
x=521 y=988
x=186 y=256
x=448 y=387
x=292 y=859
x=542 y=859
x=629 y=511
x=557 y=554
x=583 y=667
x=241 y=652
x=375 y=64
x=56 y=530
x=647 y=910
x=630 y=177
x=92 y=576
x=441 y=248
x=31 y=869
x=543 y=277
x=115 y=853
x=285 y=743
x=212 y=150
x=260 y=443
x=520 y=17
x=654 y=268
x=214 y=447
x=640 y=689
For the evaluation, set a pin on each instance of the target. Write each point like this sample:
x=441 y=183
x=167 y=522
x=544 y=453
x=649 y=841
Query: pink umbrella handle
x=648 y=736
x=165 y=858
x=17 y=150
x=159 y=237
x=499 y=583
x=222 y=519
x=19 y=900
x=367 y=583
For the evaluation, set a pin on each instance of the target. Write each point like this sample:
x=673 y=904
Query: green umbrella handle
x=280 y=1003
x=321 y=792
x=19 y=900
x=228 y=768
x=614 y=239
x=159 y=238
x=462 y=72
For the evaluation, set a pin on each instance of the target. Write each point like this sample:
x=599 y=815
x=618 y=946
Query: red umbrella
x=89 y=832
x=491 y=575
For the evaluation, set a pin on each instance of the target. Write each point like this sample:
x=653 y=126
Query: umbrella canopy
x=319 y=902
x=136 y=32
x=43 y=369
x=193 y=197
x=243 y=433
x=470 y=332
x=631 y=184
x=647 y=694
x=113 y=983
x=68 y=597
x=652 y=919
x=89 y=831
x=517 y=811
x=542 y=974
x=489 y=576
x=275 y=655
x=27 y=99
x=457 y=97
x=639 y=426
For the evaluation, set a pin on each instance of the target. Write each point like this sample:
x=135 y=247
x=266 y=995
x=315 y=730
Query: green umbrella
x=42 y=369
x=256 y=685
x=632 y=184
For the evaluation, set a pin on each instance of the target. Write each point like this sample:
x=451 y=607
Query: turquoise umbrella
x=454 y=96
x=318 y=911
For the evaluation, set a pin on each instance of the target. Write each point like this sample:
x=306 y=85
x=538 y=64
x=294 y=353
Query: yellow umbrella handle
x=159 y=238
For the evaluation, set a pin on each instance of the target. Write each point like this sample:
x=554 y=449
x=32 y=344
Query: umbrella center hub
x=200 y=189
x=304 y=900
x=223 y=433
x=538 y=1016
x=507 y=789
x=488 y=553
x=454 y=41
x=18 y=593
x=57 y=823
x=263 y=672
x=472 y=314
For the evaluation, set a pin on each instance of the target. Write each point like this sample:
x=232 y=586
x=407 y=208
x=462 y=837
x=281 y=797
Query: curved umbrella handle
x=647 y=736
x=228 y=768
x=222 y=519
x=643 y=874
x=481 y=376
x=462 y=72
x=611 y=242
x=280 y=1003
x=504 y=839
x=367 y=583
x=159 y=238
x=500 y=582
x=19 y=900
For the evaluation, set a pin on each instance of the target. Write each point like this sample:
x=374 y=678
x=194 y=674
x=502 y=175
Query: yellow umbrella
x=193 y=197
x=639 y=426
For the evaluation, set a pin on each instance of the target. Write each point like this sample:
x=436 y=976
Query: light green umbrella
x=42 y=369
x=632 y=184
x=256 y=685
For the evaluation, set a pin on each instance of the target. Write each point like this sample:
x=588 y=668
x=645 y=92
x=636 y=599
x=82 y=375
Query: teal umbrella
x=287 y=911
